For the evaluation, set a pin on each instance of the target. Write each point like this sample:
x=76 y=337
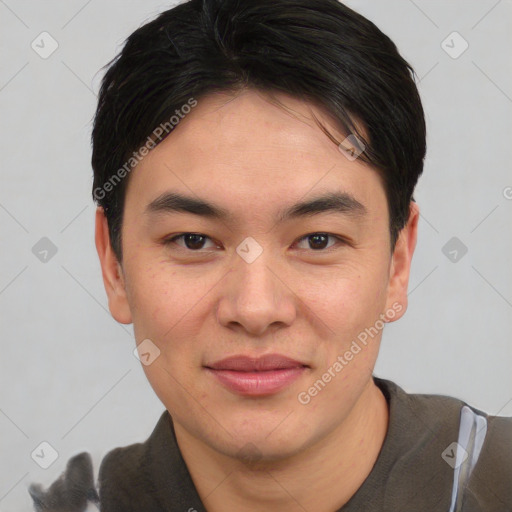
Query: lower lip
x=258 y=383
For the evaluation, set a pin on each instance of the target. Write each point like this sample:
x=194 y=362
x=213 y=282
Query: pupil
x=196 y=241
x=321 y=238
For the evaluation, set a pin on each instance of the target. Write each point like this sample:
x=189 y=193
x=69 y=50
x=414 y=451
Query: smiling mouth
x=260 y=376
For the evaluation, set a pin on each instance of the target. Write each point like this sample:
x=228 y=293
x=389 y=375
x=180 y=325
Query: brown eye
x=319 y=241
x=192 y=241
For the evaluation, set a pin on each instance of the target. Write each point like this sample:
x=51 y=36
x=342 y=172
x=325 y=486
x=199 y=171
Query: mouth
x=260 y=376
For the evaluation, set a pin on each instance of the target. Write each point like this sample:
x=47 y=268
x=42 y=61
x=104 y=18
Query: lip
x=257 y=376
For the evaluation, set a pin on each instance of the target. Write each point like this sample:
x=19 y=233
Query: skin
x=254 y=158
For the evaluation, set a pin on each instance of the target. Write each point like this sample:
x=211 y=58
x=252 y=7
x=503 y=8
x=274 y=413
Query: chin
x=255 y=454
x=256 y=446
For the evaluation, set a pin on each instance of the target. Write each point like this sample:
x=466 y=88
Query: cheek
x=159 y=297
x=347 y=298
x=171 y=308
x=166 y=310
x=171 y=385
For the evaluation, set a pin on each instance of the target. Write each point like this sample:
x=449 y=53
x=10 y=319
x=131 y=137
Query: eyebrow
x=330 y=202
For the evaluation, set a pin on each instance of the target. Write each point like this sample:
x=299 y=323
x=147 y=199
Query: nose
x=256 y=297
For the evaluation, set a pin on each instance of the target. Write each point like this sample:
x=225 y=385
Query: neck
x=322 y=478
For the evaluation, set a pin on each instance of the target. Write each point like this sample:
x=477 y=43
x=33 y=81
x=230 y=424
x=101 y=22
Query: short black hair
x=318 y=51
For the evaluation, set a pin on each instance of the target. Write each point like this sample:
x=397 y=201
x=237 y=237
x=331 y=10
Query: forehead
x=246 y=150
x=254 y=120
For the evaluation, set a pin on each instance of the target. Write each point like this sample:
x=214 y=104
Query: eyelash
x=339 y=239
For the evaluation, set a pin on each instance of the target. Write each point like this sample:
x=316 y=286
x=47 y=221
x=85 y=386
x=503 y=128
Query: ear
x=400 y=266
x=112 y=271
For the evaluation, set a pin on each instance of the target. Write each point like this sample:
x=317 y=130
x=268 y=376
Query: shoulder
x=489 y=487
x=474 y=449
x=125 y=480
x=150 y=476
x=122 y=476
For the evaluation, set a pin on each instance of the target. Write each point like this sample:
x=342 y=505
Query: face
x=252 y=276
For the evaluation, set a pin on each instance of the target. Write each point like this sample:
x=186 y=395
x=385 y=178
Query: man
x=254 y=166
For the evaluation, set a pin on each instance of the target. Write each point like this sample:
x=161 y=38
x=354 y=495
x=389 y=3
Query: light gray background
x=68 y=375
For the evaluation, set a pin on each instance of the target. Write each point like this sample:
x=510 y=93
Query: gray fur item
x=71 y=492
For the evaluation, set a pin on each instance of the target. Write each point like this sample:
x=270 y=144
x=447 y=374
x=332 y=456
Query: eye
x=319 y=241
x=195 y=242
x=192 y=241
